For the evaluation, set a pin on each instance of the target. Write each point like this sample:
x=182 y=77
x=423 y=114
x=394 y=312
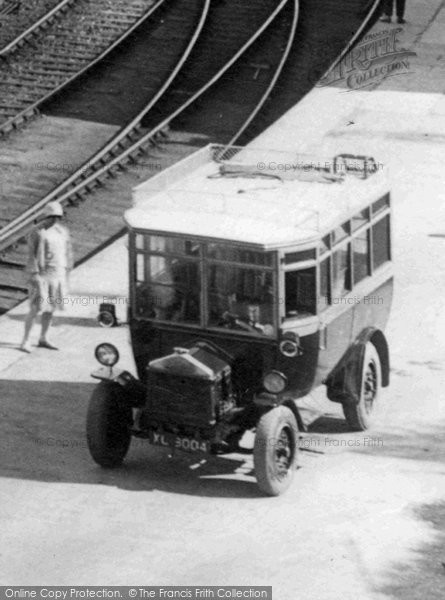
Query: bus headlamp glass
x=274 y=382
x=106 y=354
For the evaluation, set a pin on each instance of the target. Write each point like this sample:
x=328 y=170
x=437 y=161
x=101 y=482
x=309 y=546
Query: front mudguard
x=265 y=401
x=345 y=380
x=132 y=390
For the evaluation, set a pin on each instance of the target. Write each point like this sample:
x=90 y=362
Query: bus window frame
x=278 y=266
x=327 y=254
x=204 y=261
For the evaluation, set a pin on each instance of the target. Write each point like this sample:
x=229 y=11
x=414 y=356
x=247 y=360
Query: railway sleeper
x=62 y=65
x=63 y=55
x=114 y=170
x=91 y=185
x=30 y=84
x=81 y=51
x=11 y=106
x=135 y=154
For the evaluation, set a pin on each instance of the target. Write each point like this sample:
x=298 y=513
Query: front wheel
x=359 y=416
x=108 y=425
x=275 y=450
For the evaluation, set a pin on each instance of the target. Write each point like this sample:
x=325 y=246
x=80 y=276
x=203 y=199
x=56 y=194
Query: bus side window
x=381 y=242
x=341 y=272
x=325 y=292
x=300 y=292
x=360 y=250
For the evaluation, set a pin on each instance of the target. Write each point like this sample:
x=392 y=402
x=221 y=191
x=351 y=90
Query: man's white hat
x=52 y=209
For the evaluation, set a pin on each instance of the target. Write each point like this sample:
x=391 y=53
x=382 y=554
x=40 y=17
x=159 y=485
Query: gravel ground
x=30 y=11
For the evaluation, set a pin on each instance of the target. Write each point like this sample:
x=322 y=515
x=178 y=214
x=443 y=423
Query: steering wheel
x=231 y=319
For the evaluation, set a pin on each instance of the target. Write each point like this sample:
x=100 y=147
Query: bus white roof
x=193 y=198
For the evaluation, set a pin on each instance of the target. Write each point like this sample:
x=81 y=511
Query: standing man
x=388 y=8
x=49 y=264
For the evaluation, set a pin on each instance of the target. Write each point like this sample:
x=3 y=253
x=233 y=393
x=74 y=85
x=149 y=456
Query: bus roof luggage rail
x=248 y=162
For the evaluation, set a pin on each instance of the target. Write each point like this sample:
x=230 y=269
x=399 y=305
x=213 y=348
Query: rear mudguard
x=133 y=391
x=344 y=382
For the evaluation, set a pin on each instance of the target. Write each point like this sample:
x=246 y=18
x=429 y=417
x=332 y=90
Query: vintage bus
x=255 y=276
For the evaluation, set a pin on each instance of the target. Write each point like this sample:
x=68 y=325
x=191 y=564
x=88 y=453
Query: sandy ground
x=361 y=522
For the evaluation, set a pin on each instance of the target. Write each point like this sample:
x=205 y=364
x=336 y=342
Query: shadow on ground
x=425 y=576
x=395 y=439
x=42 y=438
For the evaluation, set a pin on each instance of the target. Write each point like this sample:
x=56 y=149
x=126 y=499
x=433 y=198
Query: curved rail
x=374 y=6
x=275 y=77
x=35 y=27
x=33 y=109
x=17 y=228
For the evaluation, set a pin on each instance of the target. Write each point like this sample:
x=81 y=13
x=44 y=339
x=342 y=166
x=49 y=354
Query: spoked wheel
x=108 y=426
x=275 y=450
x=359 y=416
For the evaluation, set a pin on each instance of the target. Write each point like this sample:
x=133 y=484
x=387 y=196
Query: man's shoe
x=400 y=20
x=47 y=345
x=26 y=347
x=385 y=19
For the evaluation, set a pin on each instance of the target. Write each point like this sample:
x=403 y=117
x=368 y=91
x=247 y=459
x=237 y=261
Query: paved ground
x=361 y=522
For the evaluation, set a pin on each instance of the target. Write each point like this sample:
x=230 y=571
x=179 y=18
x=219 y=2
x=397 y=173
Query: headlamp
x=107 y=315
x=106 y=354
x=274 y=382
x=290 y=344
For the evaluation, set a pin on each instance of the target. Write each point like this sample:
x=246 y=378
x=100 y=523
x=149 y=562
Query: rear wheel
x=275 y=450
x=359 y=416
x=108 y=426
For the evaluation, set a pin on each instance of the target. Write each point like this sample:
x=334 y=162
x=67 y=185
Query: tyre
x=359 y=416
x=275 y=450
x=108 y=426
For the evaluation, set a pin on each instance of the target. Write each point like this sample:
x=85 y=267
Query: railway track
x=169 y=86
x=20 y=20
x=123 y=147
x=228 y=27
x=325 y=34
x=63 y=45
x=263 y=60
x=29 y=176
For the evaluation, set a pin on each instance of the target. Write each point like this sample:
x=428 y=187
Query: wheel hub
x=283 y=453
x=370 y=387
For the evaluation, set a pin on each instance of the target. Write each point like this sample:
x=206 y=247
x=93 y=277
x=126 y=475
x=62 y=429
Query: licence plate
x=179 y=442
